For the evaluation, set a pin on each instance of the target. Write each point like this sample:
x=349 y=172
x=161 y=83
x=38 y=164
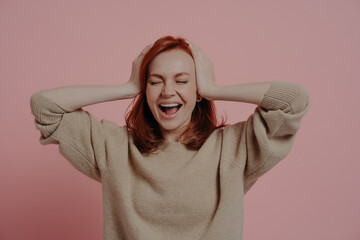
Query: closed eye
x=184 y=81
x=154 y=83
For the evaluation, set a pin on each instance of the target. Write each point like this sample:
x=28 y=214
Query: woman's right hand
x=134 y=80
x=70 y=98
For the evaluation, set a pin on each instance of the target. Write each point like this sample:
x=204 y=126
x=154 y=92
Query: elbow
x=44 y=110
x=35 y=102
x=288 y=97
x=301 y=100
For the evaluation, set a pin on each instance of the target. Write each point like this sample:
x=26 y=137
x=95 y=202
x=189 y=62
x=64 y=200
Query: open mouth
x=170 y=109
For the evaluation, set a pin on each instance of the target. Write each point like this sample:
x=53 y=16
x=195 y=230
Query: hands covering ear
x=134 y=80
x=204 y=68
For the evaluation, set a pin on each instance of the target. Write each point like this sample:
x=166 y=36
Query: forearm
x=248 y=93
x=71 y=98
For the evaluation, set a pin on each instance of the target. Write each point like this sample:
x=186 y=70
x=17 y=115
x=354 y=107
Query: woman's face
x=171 y=91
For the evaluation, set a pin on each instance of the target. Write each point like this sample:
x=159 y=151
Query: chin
x=173 y=127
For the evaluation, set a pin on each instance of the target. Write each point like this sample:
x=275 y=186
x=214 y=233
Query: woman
x=172 y=172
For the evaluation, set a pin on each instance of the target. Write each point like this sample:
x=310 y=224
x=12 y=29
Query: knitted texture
x=176 y=193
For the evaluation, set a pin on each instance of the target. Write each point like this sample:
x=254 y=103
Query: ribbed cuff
x=44 y=110
x=280 y=96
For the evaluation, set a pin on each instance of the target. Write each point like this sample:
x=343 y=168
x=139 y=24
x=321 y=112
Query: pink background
x=313 y=194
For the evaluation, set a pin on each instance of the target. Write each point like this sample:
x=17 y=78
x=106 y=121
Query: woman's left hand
x=204 y=68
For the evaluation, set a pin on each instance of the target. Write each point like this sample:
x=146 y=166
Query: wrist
x=131 y=90
x=209 y=92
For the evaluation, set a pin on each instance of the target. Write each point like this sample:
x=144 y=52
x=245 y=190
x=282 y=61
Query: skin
x=172 y=81
x=71 y=98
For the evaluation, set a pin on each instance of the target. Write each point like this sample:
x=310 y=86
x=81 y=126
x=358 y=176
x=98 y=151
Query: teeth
x=169 y=105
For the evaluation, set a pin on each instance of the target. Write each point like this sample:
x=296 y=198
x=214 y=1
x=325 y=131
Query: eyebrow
x=176 y=75
x=181 y=74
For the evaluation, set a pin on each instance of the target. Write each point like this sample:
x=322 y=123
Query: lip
x=166 y=116
x=167 y=102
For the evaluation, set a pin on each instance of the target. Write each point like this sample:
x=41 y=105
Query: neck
x=173 y=135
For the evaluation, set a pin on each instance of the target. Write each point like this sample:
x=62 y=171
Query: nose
x=168 y=90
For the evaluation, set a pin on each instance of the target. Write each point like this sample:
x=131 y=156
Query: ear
x=198 y=98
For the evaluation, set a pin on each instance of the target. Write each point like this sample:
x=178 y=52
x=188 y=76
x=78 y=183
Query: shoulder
x=235 y=129
x=228 y=132
x=111 y=129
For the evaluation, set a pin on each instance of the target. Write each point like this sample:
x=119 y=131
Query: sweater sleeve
x=269 y=133
x=79 y=135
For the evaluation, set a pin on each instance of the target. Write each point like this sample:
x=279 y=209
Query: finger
x=144 y=51
x=197 y=51
x=190 y=45
x=148 y=47
x=195 y=47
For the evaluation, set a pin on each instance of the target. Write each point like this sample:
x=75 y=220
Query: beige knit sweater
x=176 y=193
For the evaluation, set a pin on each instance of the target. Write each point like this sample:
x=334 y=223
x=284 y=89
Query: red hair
x=141 y=122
